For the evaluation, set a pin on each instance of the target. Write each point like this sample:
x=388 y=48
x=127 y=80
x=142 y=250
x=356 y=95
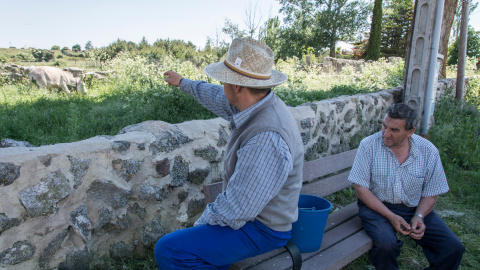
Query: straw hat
x=248 y=63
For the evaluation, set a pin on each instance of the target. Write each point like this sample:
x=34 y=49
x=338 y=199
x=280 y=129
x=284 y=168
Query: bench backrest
x=321 y=177
x=324 y=176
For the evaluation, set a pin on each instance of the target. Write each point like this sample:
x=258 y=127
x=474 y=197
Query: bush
x=457 y=129
x=42 y=55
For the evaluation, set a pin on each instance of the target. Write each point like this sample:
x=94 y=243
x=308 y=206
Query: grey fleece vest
x=273 y=115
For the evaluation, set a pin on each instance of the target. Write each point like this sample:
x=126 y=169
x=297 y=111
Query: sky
x=42 y=24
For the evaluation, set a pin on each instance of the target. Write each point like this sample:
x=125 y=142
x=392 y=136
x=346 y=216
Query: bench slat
x=211 y=191
x=334 y=219
x=330 y=238
x=341 y=254
x=327 y=186
x=327 y=165
x=341 y=215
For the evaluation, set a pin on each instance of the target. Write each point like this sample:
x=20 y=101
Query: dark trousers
x=441 y=247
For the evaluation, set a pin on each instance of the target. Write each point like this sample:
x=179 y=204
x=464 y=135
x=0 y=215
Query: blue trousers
x=441 y=247
x=216 y=247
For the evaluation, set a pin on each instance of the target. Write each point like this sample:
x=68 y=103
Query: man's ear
x=238 y=88
x=410 y=132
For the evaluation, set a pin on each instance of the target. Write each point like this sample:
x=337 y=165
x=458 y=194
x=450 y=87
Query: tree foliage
x=88 y=45
x=449 y=9
x=233 y=30
x=458 y=17
x=76 y=48
x=42 y=55
x=375 y=39
x=323 y=23
x=397 y=18
x=473 y=48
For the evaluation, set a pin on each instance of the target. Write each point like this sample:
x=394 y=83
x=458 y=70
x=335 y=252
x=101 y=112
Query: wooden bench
x=344 y=239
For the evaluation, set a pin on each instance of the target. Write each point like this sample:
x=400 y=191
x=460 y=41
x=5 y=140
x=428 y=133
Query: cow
x=52 y=77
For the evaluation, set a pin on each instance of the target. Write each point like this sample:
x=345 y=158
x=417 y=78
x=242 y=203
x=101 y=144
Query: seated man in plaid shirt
x=398 y=176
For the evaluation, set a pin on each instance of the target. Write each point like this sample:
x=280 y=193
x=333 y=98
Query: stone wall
x=336 y=64
x=71 y=205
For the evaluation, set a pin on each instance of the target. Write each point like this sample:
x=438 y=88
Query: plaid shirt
x=377 y=168
x=264 y=162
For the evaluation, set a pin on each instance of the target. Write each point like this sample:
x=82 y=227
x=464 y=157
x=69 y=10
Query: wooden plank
x=211 y=191
x=341 y=254
x=341 y=215
x=330 y=238
x=327 y=186
x=334 y=219
x=250 y=262
x=327 y=165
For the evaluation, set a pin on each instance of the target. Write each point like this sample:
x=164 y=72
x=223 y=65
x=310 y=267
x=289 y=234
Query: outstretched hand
x=172 y=78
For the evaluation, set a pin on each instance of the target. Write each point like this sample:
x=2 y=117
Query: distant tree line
x=313 y=27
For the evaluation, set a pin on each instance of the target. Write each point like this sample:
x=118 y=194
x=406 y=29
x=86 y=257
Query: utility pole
x=423 y=61
x=462 y=50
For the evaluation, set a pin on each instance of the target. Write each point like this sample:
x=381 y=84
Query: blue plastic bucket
x=307 y=232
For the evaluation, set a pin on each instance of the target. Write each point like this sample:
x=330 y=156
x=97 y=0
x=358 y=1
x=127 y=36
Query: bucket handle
x=308 y=209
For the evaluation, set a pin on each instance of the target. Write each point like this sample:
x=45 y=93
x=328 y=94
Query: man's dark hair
x=255 y=91
x=404 y=112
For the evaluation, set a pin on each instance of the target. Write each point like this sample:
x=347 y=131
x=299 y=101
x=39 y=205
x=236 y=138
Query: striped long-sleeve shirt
x=262 y=167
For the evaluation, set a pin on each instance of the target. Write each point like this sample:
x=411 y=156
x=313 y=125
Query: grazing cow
x=52 y=77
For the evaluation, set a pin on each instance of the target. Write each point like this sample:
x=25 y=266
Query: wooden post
x=462 y=50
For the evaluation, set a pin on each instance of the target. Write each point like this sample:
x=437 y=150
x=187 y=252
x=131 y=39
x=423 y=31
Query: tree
x=55 y=48
x=252 y=20
x=76 y=48
x=451 y=28
x=143 y=44
x=397 y=18
x=232 y=30
x=326 y=20
x=270 y=32
x=42 y=55
x=458 y=17
x=473 y=48
x=375 y=39
x=88 y=46
x=449 y=11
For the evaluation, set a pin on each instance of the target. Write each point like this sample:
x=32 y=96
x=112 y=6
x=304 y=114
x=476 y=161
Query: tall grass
x=136 y=93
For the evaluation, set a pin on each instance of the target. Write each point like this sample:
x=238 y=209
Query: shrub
x=42 y=55
x=457 y=129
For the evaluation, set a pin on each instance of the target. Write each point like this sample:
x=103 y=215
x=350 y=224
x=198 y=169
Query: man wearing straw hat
x=262 y=165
